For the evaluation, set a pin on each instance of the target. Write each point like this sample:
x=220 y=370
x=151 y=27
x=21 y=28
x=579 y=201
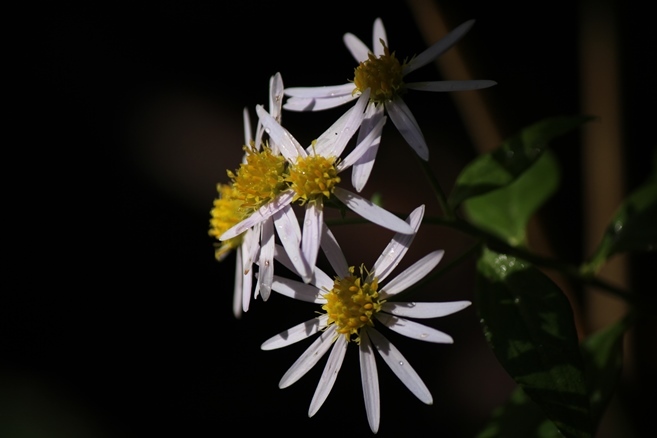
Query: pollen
x=259 y=179
x=382 y=75
x=225 y=213
x=312 y=177
x=352 y=303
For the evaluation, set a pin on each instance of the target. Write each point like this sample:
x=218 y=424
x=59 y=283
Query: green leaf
x=528 y=323
x=506 y=211
x=519 y=417
x=603 y=355
x=377 y=199
x=633 y=227
x=501 y=167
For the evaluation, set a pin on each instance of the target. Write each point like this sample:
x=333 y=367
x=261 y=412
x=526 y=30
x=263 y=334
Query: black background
x=116 y=319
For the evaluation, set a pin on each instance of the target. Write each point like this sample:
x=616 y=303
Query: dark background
x=116 y=319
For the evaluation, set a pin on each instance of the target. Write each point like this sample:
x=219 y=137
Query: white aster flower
x=313 y=174
x=228 y=209
x=352 y=303
x=224 y=214
x=381 y=72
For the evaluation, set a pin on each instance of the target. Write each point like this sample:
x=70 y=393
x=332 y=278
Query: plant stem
x=497 y=244
x=440 y=195
x=569 y=270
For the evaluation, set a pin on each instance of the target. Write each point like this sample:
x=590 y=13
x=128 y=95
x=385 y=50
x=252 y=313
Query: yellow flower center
x=312 y=177
x=352 y=303
x=382 y=75
x=259 y=180
x=225 y=213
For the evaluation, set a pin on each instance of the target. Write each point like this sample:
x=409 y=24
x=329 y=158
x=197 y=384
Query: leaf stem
x=567 y=269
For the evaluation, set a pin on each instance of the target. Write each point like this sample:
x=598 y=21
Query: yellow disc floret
x=352 y=303
x=225 y=213
x=259 y=179
x=382 y=75
x=312 y=177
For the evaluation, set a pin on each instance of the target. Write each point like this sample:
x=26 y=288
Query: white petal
x=266 y=259
x=403 y=119
x=356 y=47
x=258 y=142
x=286 y=143
x=334 y=253
x=413 y=329
x=378 y=34
x=370 y=381
x=371 y=211
x=438 y=48
x=312 y=231
x=256 y=291
x=334 y=140
x=309 y=358
x=246 y=253
x=450 y=85
x=396 y=249
x=325 y=145
x=248 y=133
x=237 y=287
x=271 y=208
x=246 y=282
x=400 y=366
x=251 y=245
x=321 y=92
x=296 y=333
x=281 y=255
x=424 y=310
x=287 y=227
x=276 y=96
x=297 y=290
x=329 y=375
x=318 y=104
x=320 y=279
x=362 y=168
x=373 y=137
x=411 y=275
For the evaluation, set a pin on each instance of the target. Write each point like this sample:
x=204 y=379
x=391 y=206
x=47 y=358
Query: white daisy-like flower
x=224 y=214
x=380 y=71
x=228 y=209
x=313 y=175
x=353 y=302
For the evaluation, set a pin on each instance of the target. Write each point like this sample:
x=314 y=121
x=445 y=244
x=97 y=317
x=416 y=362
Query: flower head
x=259 y=178
x=383 y=75
x=226 y=212
x=380 y=71
x=354 y=302
x=313 y=177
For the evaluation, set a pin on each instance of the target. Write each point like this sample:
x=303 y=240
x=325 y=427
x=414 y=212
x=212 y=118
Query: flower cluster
x=257 y=214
